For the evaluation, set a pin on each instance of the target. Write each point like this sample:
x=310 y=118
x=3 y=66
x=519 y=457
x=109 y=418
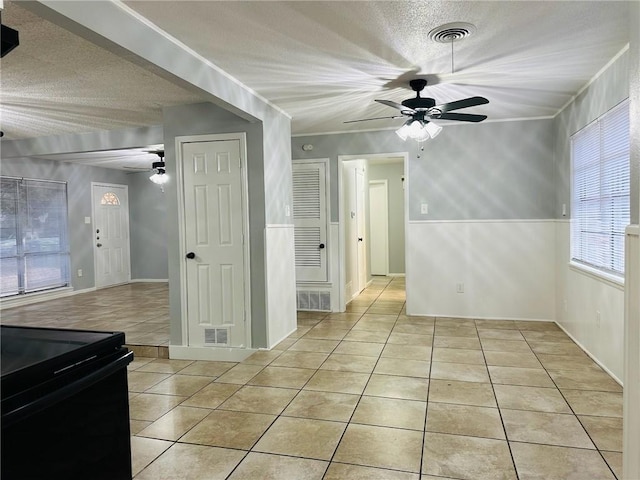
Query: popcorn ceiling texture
x=321 y=62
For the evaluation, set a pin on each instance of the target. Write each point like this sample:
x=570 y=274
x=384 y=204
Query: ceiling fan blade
x=467 y=102
x=462 y=117
x=399 y=106
x=375 y=118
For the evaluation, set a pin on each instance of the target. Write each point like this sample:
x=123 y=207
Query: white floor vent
x=216 y=336
x=314 y=300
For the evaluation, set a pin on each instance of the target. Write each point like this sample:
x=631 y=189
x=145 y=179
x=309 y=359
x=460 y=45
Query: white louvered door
x=310 y=220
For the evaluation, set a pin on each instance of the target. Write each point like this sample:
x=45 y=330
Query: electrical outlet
x=598 y=318
x=460 y=287
x=79 y=272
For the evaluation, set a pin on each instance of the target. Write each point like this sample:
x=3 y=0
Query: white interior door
x=214 y=235
x=111 y=234
x=379 y=227
x=310 y=220
x=361 y=227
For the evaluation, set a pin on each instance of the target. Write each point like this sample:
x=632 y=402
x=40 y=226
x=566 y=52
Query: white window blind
x=34 y=248
x=600 y=191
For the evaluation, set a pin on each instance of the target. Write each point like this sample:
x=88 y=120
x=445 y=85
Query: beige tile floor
x=370 y=393
x=140 y=310
x=375 y=394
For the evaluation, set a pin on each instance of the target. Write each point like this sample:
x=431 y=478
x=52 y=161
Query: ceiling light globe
x=403 y=131
x=433 y=129
x=159 y=178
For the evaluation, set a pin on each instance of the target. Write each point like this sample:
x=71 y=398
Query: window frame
x=580 y=262
x=23 y=221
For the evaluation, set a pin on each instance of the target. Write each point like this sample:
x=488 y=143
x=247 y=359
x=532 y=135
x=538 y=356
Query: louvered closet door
x=310 y=220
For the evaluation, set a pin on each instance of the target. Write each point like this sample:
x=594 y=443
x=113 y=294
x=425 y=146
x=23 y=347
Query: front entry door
x=111 y=234
x=215 y=255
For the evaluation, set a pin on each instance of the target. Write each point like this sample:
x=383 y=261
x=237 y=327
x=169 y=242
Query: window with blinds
x=34 y=248
x=600 y=179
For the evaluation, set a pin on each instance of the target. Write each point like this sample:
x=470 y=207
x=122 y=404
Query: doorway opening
x=372 y=220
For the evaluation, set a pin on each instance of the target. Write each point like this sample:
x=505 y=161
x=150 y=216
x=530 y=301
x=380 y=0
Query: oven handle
x=60 y=394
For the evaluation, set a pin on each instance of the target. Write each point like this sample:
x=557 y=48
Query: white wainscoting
x=631 y=430
x=280 y=282
x=507 y=268
x=580 y=295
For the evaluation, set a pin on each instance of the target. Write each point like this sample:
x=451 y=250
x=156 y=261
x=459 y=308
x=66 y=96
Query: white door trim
x=341 y=228
x=93 y=230
x=182 y=234
x=385 y=183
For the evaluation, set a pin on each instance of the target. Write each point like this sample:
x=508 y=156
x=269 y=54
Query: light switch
x=87 y=219
x=287 y=211
x=424 y=209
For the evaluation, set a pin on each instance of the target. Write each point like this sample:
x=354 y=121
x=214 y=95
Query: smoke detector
x=452 y=32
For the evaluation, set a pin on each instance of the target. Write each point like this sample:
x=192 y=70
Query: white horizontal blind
x=34 y=247
x=600 y=191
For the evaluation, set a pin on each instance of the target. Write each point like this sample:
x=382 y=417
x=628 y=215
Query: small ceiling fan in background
x=422 y=110
x=159 y=176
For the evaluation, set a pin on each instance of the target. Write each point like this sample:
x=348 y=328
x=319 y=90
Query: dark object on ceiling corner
x=10 y=39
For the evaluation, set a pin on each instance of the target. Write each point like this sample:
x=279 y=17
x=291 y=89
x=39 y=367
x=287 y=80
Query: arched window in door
x=110 y=198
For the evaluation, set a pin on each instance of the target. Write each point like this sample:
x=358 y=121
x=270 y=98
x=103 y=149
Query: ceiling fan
x=422 y=110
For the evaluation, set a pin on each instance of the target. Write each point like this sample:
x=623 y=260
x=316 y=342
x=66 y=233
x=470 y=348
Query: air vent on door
x=216 y=336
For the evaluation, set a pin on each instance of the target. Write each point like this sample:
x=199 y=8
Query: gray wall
x=604 y=93
x=499 y=170
x=78 y=178
x=201 y=119
x=393 y=173
x=148 y=221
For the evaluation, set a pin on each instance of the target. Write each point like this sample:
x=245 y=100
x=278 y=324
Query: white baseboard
x=593 y=357
x=396 y=275
x=277 y=342
x=38 y=297
x=478 y=317
x=220 y=354
x=150 y=280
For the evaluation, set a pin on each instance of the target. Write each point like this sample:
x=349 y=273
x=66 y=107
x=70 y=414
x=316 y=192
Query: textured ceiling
x=55 y=82
x=326 y=62
x=322 y=62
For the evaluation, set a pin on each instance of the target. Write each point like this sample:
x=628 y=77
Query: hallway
x=374 y=394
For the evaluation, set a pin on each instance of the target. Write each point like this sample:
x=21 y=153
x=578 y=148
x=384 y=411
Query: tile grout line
x=368 y=380
x=504 y=428
x=573 y=412
x=426 y=408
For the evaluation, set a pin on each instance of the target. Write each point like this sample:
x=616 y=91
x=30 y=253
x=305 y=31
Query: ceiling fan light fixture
x=419 y=130
x=433 y=129
x=159 y=178
x=403 y=131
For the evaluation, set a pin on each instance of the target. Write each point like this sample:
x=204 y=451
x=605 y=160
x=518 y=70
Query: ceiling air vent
x=452 y=32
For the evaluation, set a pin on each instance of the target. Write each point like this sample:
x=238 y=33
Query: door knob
x=98 y=245
x=190 y=255
x=321 y=246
